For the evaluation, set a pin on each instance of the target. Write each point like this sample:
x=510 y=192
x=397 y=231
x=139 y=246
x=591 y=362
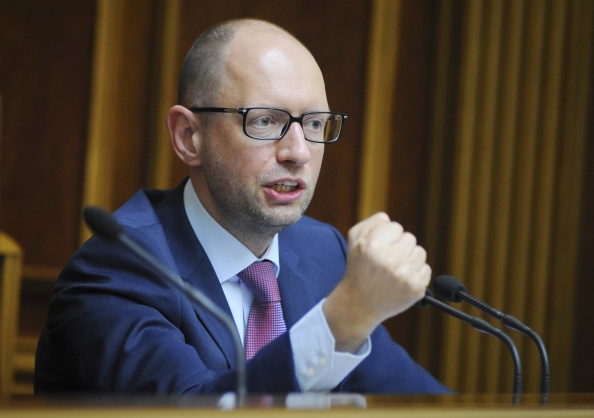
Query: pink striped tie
x=265 y=322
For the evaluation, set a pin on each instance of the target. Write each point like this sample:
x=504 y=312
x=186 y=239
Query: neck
x=257 y=246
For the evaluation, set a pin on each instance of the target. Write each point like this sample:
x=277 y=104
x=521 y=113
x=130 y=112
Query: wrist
x=349 y=327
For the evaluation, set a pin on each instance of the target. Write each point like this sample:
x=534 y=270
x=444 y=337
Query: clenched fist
x=386 y=274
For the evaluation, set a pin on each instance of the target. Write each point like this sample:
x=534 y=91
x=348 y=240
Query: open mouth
x=285 y=186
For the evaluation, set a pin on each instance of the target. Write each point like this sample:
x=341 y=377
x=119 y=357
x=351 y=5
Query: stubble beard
x=243 y=213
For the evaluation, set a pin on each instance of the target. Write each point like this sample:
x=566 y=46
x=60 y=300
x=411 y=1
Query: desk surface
x=314 y=405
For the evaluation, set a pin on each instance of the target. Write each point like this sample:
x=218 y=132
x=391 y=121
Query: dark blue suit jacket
x=114 y=325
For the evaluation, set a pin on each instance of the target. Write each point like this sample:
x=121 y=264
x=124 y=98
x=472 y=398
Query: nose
x=293 y=147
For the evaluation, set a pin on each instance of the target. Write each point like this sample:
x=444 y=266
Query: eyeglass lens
x=272 y=124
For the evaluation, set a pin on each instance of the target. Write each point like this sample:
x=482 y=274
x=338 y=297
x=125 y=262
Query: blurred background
x=469 y=121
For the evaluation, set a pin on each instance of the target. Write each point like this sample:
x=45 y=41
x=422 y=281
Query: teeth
x=285 y=186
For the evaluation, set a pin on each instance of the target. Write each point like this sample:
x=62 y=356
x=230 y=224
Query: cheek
x=227 y=148
x=246 y=163
x=317 y=155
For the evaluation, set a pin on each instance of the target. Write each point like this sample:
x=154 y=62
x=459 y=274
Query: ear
x=185 y=133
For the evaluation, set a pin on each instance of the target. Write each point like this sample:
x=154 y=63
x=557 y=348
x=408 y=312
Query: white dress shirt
x=317 y=365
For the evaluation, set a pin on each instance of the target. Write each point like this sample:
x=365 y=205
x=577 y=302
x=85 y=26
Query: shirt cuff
x=317 y=365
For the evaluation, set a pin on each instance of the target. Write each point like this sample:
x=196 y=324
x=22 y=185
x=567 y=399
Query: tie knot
x=261 y=280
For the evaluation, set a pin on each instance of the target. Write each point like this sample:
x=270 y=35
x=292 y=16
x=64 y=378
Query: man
x=114 y=325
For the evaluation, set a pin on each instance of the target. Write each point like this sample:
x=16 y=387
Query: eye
x=263 y=121
x=314 y=123
x=263 y=118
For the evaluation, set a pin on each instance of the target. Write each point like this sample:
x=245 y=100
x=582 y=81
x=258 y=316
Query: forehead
x=267 y=67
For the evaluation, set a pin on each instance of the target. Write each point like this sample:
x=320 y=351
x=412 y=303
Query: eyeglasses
x=269 y=123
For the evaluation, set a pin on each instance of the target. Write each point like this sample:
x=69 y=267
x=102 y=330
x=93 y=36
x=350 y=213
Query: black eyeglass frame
x=299 y=119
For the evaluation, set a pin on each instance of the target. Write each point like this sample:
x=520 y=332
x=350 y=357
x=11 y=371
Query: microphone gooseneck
x=104 y=225
x=453 y=290
x=483 y=326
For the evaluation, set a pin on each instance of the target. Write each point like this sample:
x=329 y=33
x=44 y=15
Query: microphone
x=104 y=225
x=453 y=290
x=484 y=327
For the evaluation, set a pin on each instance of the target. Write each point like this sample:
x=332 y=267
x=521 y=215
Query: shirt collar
x=227 y=255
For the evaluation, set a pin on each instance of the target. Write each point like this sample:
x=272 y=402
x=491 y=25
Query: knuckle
x=410 y=237
x=382 y=216
x=425 y=274
x=403 y=271
x=374 y=245
x=421 y=252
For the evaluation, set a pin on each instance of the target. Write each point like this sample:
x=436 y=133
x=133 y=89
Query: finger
x=417 y=258
x=423 y=277
x=362 y=229
x=404 y=246
x=414 y=268
x=386 y=234
x=416 y=284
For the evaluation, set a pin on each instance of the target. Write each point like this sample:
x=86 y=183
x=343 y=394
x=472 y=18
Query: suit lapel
x=194 y=266
x=297 y=280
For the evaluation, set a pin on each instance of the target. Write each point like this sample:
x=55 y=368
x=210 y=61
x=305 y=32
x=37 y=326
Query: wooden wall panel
x=408 y=131
x=523 y=80
x=572 y=174
x=582 y=369
x=45 y=69
x=164 y=168
x=379 y=107
x=122 y=101
x=410 y=120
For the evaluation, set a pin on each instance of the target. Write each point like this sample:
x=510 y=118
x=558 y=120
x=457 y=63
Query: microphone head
x=102 y=223
x=448 y=287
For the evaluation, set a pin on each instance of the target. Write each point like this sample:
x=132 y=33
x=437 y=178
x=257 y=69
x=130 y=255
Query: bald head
x=230 y=48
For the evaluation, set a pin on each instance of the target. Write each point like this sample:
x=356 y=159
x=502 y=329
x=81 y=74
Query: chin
x=282 y=218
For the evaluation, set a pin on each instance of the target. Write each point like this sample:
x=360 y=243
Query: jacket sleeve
x=390 y=369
